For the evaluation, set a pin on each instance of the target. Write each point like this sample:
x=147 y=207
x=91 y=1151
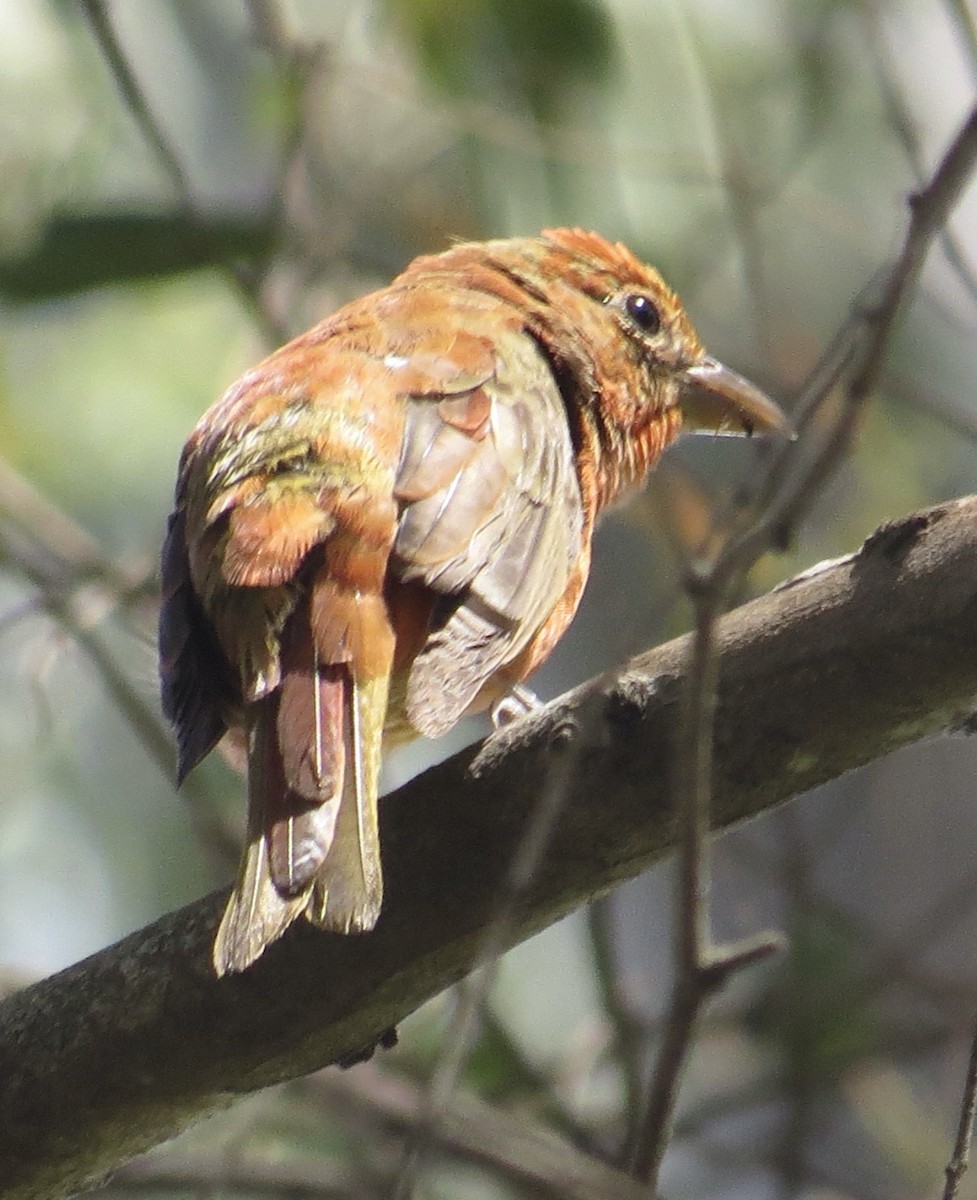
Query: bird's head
x=646 y=351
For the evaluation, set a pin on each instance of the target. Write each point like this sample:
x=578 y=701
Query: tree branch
x=840 y=666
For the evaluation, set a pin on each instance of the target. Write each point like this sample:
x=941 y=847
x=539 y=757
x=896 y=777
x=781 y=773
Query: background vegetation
x=186 y=183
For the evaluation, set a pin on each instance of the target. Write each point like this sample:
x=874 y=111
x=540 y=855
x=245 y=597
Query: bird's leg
x=518 y=702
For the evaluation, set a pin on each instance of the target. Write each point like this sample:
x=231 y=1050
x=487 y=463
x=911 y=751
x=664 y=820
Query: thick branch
x=829 y=672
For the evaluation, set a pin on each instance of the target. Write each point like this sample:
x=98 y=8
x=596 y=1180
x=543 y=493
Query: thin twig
x=521 y=1150
x=567 y=748
x=788 y=1155
x=858 y=349
x=132 y=93
x=62 y=537
x=630 y=1031
x=902 y=122
x=744 y=199
x=246 y=280
x=700 y=968
x=62 y=598
x=960 y=1159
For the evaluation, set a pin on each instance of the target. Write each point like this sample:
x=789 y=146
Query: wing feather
x=492 y=520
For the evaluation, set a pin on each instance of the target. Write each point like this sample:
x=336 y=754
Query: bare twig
x=788 y=1158
x=248 y=283
x=960 y=1159
x=61 y=594
x=859 y=350
x=132 y=93
x=568 y=744
x=520 y=1149
x=700 y=968
x=62 y=537
x=744 y=199
x=892 y=960
x=904 y=127
x=631 y=1033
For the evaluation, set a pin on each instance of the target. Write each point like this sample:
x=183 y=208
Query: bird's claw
x=518 y=702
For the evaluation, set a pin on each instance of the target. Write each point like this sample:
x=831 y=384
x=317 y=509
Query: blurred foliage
x=281 y=158
x=815 y=1009
x=517 y=55
x=76 y=253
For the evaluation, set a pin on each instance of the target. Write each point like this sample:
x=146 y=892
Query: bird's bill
x=716 y=400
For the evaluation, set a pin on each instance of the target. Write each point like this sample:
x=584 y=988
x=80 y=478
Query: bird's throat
x=623 y=456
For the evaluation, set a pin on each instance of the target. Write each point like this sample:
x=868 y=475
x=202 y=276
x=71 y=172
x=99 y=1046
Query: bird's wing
x=491 y=520
x=195 y=679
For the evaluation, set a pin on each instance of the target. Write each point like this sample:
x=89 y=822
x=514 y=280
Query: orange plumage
x=387 y=524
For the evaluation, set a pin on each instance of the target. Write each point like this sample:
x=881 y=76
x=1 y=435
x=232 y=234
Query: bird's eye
x=643 y=312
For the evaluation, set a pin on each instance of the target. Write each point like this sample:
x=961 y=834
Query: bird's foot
x=518 y=702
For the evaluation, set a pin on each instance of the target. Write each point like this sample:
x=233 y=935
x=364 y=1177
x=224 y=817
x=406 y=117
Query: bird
x=387 y=525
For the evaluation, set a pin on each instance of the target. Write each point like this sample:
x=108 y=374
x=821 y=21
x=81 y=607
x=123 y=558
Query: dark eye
x=643 y=312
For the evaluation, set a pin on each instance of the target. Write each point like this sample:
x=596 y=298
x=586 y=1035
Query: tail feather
x=313 y=845
x=350 y=883
x=305 y=794
x=257 y=912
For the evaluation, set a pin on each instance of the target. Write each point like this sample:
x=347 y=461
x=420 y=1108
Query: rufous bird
x=387 y=524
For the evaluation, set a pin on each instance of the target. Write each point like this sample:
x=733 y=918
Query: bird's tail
x=313 y=845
